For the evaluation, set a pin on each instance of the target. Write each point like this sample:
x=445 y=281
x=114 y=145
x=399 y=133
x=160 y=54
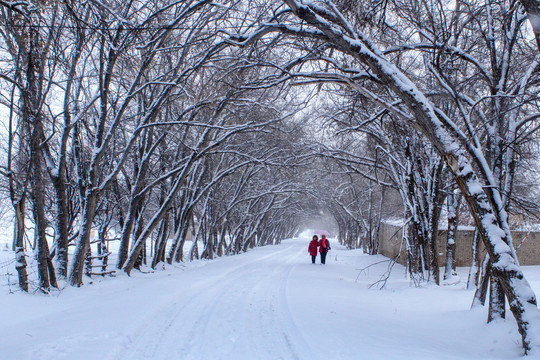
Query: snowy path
x=241 y=310
x=269 y=303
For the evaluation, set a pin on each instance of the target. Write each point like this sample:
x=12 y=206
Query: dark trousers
x=313 y=257
x=323 y=257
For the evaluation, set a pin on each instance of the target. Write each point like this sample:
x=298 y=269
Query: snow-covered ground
x=268 y=303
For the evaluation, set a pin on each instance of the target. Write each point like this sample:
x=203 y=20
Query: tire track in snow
x=148 y=340
x=250 y=299
x=287 y=315
x=225 y=315
x=287 y=340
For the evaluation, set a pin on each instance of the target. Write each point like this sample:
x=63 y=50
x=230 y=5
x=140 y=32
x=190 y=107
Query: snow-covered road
x=269 y=303
x=240 y=309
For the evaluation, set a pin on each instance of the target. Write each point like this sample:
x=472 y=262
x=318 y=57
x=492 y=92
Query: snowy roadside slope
x=269 y=303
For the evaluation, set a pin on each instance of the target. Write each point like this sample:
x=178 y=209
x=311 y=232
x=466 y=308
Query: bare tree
x=407 y=102
x=28 y=37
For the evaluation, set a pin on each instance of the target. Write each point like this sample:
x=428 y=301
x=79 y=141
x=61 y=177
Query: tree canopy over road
x=237 y=121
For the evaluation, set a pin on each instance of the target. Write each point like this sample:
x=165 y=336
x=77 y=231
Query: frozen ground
x=269 y=303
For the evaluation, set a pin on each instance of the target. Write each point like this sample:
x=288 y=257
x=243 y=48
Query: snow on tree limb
x=493 y=229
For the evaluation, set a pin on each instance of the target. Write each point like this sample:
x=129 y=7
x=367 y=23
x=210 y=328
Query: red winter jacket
x=324 y=245
x=312 y=248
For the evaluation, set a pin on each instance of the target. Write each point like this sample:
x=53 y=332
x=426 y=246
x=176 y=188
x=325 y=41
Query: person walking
x=312 y=248
x=324 y=246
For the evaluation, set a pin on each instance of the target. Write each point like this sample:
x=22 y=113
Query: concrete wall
x=527 y=245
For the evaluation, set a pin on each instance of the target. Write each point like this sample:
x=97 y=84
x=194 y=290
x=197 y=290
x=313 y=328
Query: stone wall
x=527 y=245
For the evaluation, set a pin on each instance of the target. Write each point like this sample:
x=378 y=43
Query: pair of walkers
x=323 y=245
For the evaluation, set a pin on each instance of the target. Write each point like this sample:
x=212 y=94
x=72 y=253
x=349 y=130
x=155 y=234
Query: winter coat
x=312 y=248
x=324 y=245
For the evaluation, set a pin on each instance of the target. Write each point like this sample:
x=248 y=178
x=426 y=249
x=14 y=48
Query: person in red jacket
x=324 y=246
x=312 y=248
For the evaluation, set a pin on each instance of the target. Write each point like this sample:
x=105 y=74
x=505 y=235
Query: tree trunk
x=103 y=251
x=31 y=112
x=176 y=253
x=483 y=283
x=123 y=251
x=20 y=256
x=436 y=196
x=83 y=240
x=39 y=212
x=61 y=225
x=375 y=246
x=161 y=242
x=88 y=262
x=496 y=300
x=453 y=201
x=196 y=230
x=450 y=263
x=475 y=264
x=221 y=245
